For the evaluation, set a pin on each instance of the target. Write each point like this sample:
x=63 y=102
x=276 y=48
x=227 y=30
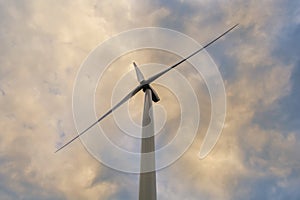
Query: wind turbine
x=147 y=182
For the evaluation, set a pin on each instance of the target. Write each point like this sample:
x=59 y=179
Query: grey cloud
x=19 y=182
x=250 y=69
x=285 y=111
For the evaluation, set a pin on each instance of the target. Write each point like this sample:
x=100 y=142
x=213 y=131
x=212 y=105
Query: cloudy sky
x=42 y=45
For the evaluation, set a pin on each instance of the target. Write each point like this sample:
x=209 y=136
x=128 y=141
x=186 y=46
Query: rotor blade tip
x=57 y=150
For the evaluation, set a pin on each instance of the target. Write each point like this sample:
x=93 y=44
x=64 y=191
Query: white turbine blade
x=139 y=74
x=153 y=78
x=126 y=98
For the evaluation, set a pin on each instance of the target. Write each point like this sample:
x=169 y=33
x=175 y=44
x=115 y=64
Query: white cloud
x=43 y=44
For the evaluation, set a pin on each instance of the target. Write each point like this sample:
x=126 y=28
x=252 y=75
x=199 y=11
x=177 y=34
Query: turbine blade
x=153 y=78
x=155 y=96
x=139 y=74
x=126 y=98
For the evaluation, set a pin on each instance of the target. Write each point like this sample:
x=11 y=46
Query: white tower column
x=147 y=188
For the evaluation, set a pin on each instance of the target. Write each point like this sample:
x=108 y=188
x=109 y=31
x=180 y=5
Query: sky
x=43 y=44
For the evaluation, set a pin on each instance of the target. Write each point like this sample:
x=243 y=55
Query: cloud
x=37 y=73
x=42 y=46
x=260 y=79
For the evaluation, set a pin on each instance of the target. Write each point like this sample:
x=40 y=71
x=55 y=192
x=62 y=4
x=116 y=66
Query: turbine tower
x=147 y=181
x=147 y=189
